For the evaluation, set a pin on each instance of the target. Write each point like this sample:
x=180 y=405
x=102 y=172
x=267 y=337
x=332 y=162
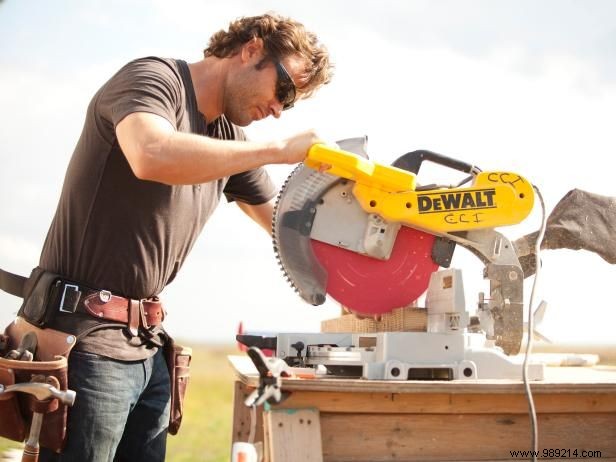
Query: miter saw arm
x=493 y=199
x=501 y=315
x=371 y=237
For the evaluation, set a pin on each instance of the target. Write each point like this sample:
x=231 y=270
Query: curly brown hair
x=281 y=37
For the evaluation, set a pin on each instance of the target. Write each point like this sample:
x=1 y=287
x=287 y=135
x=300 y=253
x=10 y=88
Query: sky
x=522 y=86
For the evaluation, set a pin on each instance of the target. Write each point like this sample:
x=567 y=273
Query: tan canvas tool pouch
x=178 y=362
x=16 y=408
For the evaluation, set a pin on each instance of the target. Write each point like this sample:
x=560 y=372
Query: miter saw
x=373 y=239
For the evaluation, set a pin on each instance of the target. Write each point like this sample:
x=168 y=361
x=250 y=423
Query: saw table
x=339 y=420
x=372 y=237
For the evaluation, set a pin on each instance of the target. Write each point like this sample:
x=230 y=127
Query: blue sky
x=517 y=85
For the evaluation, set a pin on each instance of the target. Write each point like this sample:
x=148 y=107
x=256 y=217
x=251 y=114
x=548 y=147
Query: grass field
x=205 y=435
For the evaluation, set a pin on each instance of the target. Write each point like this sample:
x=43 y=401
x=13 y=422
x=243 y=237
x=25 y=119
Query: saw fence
x=344 y=420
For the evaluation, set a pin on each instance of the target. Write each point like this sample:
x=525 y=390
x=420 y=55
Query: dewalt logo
x=448 y=202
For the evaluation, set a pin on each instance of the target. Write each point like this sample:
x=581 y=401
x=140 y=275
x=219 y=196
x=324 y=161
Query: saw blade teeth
x=293 y=253
x=275 y=213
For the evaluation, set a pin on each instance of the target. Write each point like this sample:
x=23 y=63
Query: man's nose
x=276 y=108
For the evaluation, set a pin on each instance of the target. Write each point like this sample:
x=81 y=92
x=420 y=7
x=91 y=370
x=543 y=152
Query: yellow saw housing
x=493 y=199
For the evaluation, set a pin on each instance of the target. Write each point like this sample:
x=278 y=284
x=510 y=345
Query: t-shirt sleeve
x=253 y=187
x=144 y=85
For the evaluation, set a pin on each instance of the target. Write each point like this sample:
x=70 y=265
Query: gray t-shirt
x=116 y=232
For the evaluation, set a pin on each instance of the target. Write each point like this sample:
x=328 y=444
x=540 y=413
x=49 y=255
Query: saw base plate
x=402 y=356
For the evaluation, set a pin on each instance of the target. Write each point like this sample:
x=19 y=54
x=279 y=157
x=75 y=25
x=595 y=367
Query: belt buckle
x=74 y=291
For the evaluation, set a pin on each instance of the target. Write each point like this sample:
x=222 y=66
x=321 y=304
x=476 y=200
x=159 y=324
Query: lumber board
x=409 y=437
x=293 y=435
x=242 y=417
x=399 y=320
x=442 y=403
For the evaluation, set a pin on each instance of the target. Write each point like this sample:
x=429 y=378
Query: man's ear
x=252 y=50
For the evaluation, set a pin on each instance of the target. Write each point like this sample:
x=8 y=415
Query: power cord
x=531 y=327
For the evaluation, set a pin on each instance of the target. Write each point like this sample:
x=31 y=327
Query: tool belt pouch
x=178 y=362
x=40 y=293
x=12 y=423
x=16 y=410
x=50 y=360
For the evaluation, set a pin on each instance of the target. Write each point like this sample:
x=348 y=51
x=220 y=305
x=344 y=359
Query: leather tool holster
x=178 y=362
x=50 y=363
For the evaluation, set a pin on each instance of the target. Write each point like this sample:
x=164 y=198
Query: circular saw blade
x=371 y=287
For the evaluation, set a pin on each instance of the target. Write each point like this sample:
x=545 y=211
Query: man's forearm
x=183 y=158
x=156 y=152
x=262 y=214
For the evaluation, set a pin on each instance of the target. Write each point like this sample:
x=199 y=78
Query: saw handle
x=338 y=162
x=356 y=168
x=412 y=161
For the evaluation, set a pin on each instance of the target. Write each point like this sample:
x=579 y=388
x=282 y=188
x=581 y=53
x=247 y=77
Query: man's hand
x=295 y=149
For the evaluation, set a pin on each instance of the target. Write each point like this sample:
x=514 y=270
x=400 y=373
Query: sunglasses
x=285 y=88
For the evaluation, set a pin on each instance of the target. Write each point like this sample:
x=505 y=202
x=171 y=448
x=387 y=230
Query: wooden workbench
x=373 y=420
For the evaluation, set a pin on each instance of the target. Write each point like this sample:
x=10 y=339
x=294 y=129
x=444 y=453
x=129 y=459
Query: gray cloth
x=580 y=221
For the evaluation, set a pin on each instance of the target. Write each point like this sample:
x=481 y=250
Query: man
x=159 y=148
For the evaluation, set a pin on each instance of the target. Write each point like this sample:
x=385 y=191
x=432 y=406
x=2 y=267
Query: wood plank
x=442 y=403
x=510 y=459
x=409 y=319
x=267 y=437
x=409 y=437
x=242 y=418
x=293 y=435
x=559 y=459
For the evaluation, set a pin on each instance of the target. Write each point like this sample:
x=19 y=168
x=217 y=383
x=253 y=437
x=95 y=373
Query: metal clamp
x=271 y=371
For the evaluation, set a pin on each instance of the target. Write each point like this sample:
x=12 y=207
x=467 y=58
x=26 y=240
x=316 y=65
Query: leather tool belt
x=106 y=306
x=48 y=295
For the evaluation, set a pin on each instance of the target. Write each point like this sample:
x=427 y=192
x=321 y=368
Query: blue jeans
x=121 y=410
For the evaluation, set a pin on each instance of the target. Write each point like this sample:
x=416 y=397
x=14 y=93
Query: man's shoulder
x=151 y=72
x=155 y=63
